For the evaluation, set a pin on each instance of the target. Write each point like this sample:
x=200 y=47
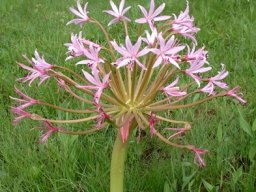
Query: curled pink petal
x=49 y=130
x=21 y=114
x=233 y=93
x=25 y=101
x=198 y=158
x=102 y=115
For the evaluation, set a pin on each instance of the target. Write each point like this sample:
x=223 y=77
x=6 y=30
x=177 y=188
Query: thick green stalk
x=117 y=165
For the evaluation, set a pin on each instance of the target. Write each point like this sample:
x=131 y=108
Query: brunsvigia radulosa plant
x=130 y=84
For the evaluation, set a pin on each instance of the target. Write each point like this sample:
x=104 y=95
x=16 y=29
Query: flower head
x=118 y=13
x=167 y=52
x=152 y=16
x=81 y=13
x=184 y=25
x=49 y=130
x=174 y=91
x=134 y=99
x=39 y=70
x=130 y=53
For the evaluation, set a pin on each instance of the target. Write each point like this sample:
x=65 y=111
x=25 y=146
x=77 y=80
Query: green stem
x=125 y=28
x=134 y=75
x=117 y=165
x=172 y=107
x=65 y=109
x=72 y=72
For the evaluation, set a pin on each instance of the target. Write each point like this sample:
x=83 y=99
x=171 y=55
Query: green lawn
x=228 y=30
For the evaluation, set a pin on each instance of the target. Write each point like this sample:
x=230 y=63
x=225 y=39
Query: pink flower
x=40 y=63
x=197 y=67
x=167 y=52
x=220 y=76
x=198 y=158
x=39 y=70
x=102 y=116
x=118 y=13
x=216 y=80
x=150 y=38
x=80 y=13
x=77 y=46
x=130 y=53
x=97 y=84
x=174 y=91
x=194 y=54
x=49 y=131
x=152 y=122
x=21 y=114
x=209 y=88
x=93 y=57
x=184 y=25
x=233 y=93
x=152 y=16
x=25 y=100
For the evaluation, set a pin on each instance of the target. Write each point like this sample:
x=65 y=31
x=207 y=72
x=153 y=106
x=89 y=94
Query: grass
x=82 y=163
